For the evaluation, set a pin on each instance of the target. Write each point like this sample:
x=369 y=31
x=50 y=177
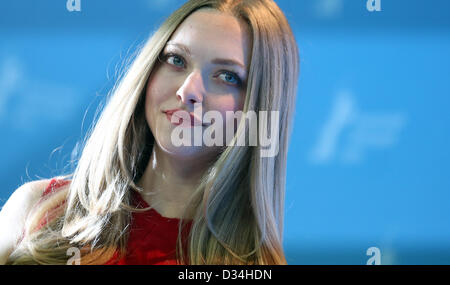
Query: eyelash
x=238 y=79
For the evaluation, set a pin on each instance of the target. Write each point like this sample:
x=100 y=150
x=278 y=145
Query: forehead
x=211 y=33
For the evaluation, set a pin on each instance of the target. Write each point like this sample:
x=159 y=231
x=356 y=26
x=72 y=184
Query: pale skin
x=13 y=215
x=192 y=75
x=173 y=172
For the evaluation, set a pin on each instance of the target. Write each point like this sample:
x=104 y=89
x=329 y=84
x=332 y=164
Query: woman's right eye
x=174 y=59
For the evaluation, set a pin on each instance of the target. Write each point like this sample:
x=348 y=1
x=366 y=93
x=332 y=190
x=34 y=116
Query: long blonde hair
x=242 y=193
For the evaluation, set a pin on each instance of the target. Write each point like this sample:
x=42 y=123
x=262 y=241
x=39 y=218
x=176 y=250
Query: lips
x=194 y=120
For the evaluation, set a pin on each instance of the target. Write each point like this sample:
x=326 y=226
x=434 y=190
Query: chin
x=189 y=152
x=184 y=152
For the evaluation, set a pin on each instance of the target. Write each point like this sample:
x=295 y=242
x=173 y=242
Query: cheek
x=154 y=94
x=160 y=87
x=226 y=103
x=154 y=98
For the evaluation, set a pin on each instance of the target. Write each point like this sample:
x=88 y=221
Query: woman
x=217 y=55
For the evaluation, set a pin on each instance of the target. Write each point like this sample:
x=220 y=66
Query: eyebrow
x=221 y=61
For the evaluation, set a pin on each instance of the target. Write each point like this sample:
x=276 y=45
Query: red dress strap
x=54 y=186
x=53 y=209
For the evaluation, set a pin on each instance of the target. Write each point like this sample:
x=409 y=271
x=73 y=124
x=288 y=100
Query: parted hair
x=240 y=200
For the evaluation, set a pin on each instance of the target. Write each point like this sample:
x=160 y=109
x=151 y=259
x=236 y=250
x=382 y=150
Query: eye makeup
x=178 y=61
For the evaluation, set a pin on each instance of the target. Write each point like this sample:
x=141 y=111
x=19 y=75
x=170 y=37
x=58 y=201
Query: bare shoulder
x=26 y=194
x=14 y=212
x=21 y=200
x=33 y=190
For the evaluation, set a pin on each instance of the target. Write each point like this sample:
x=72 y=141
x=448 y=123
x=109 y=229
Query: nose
x=192 y=90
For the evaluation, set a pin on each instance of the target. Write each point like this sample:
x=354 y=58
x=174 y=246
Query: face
x=204 y=64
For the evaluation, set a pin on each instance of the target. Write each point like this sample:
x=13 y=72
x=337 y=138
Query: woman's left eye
x=230 y=77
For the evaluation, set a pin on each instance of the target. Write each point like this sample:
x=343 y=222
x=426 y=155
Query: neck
x=169 y=182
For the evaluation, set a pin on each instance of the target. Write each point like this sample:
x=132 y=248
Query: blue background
x=368 y=162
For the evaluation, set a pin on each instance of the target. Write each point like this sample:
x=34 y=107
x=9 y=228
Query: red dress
x=152 y=238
